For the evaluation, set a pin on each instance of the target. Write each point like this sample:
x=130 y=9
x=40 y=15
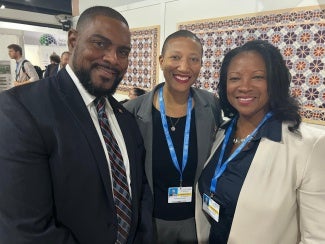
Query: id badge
x=211 y=207
x=179 y=194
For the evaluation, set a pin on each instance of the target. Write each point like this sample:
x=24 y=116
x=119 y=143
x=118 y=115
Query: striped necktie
x=121 y=191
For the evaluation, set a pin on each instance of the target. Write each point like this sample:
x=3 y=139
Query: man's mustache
x=106 y=66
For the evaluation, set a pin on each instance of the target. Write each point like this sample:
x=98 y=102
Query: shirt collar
x=272 y=129
x=20 y=60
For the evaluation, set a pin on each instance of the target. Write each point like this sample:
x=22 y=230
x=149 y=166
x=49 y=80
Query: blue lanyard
x=17 y=71
x=169 y=139
x=221 y=168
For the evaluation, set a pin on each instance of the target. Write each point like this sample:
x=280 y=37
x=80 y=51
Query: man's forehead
x=105 y=24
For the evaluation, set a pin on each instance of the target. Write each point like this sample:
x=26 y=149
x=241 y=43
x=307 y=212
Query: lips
x=245 y=100
x=182 y=78
x=107 y=72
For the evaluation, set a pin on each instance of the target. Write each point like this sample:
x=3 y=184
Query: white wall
x=6 y=40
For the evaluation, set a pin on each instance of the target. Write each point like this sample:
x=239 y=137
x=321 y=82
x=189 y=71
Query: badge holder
x=211 y=207
x=179 y=194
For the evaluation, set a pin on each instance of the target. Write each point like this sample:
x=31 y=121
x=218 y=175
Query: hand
x=16 y=83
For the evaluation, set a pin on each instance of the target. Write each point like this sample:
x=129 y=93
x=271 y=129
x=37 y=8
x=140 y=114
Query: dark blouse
x=165 y=174
x=231 y=181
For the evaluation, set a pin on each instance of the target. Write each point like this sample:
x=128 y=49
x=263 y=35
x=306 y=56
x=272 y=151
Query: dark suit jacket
x=51 y=69
x=54 y=182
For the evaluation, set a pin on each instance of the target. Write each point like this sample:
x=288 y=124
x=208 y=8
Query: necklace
x=238 y=140
x=173 y=126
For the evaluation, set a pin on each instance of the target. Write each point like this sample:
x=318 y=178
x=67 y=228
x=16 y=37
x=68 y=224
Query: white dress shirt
x=89 y=102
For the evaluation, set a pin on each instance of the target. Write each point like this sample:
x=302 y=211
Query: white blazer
x=282 y=200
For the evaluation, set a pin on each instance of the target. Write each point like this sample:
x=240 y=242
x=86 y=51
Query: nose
x=110 y=56
x=245 y=84
x=183 y=65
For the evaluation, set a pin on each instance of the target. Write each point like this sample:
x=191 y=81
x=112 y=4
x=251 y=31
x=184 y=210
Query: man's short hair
x=181 y=33
x=55 y=58
x=138 y=91
x=16 y=47
x=92 y=12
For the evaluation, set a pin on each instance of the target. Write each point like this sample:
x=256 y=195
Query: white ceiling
x=47 y=19
x=119 y=3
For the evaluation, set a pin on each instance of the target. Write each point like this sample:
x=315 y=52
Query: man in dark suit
x=54 y=68
x=56 y=183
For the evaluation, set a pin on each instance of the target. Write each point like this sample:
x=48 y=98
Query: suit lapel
x=76 y=105
x=203 y=128
x=145 y=116
x=123 y=121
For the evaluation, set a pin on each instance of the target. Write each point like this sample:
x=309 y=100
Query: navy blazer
x=54 y=181
x=51 y=69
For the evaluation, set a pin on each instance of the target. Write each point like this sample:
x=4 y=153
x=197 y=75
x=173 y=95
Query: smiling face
x=99 y=54
x=247 y=85
x=181 y=63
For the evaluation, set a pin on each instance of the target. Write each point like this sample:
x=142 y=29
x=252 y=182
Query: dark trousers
x=175 y=232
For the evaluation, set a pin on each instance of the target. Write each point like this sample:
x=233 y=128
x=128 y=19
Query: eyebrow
x=100 y=37
x=109 y=40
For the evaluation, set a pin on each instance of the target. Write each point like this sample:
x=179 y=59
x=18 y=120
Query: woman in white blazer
x=264 y=181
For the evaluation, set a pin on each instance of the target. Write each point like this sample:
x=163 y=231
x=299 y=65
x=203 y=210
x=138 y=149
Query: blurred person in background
x=25 y=71
x=135 y=92
x=53 y=68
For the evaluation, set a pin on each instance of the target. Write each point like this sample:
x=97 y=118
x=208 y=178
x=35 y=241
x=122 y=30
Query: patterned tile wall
x=298 y=33
x=143 y=60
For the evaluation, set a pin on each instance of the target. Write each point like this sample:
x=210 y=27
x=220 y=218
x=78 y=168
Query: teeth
x=181 y=77
x=245 y=99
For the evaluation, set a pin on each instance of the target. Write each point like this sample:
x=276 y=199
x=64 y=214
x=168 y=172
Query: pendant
x=172 y=125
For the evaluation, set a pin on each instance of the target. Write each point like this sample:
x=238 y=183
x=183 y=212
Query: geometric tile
x=143 y=60
x=298 y=33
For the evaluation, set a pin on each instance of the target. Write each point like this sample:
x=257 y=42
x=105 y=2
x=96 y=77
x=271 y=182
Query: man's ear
x=72 y=39
x=161 y=60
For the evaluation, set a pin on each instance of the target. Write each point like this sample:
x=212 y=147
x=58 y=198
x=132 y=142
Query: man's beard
x=84 y=78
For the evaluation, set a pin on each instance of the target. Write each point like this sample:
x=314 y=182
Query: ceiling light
x=2 y=6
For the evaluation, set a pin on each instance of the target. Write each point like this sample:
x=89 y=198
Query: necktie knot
x=100 y=104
